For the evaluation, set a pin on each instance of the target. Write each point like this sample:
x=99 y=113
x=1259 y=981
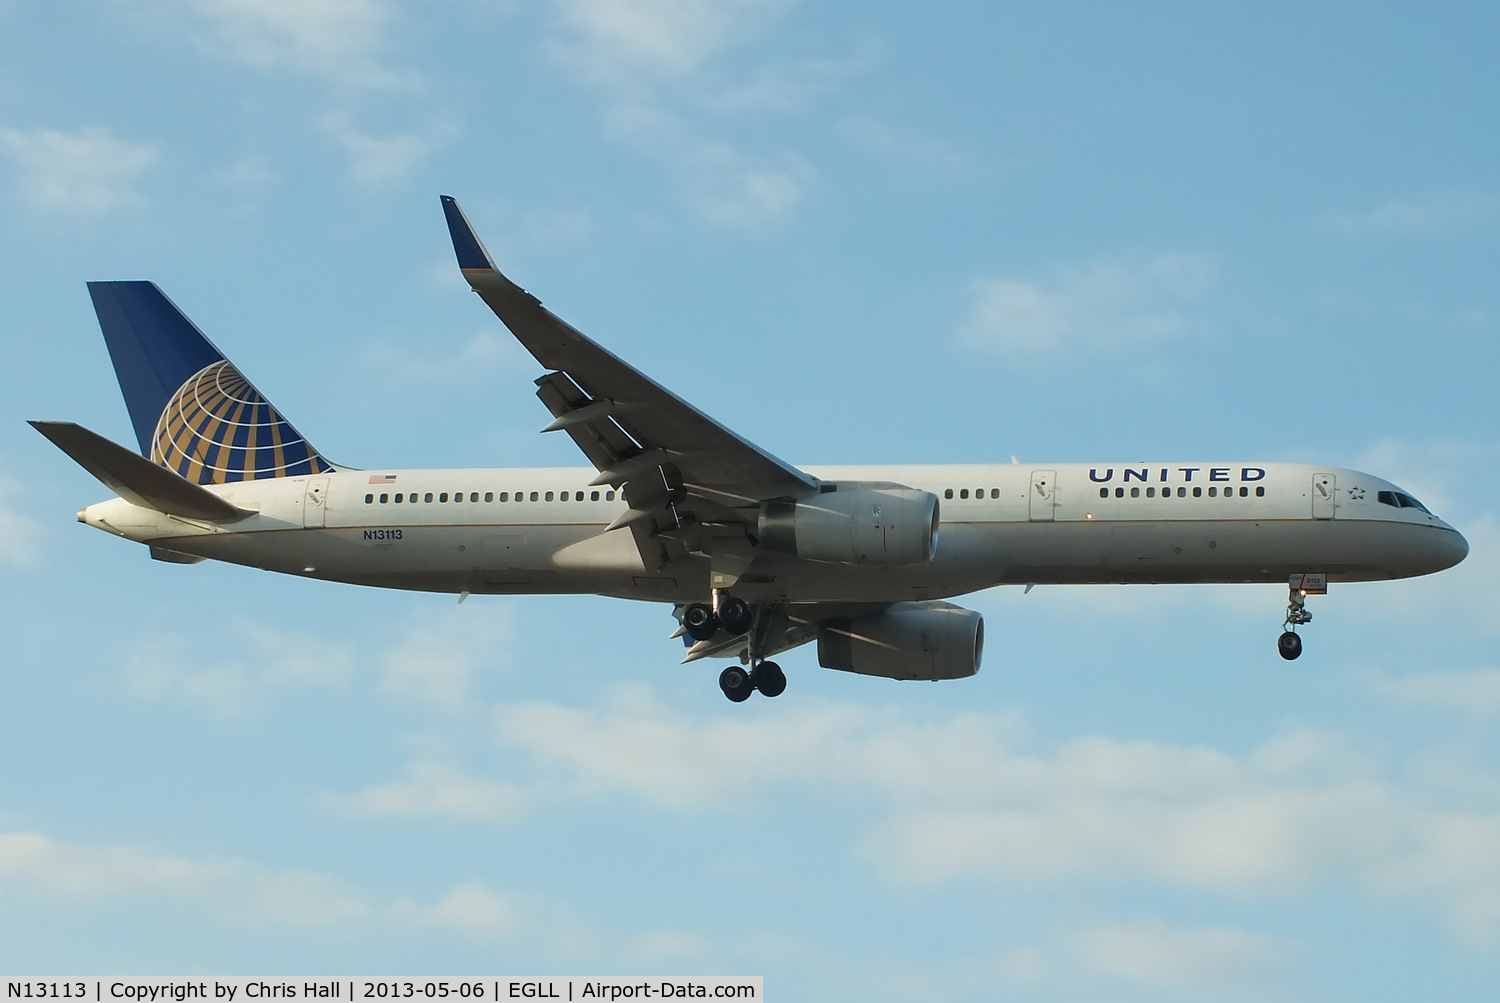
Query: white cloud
x=85 y=172
x=1473 y=693
x=251 y=174
x=383 y=160
x=616 y=42
x=468 y=909
x=238 y=680
x=483 y=357
x=342 y=40
x=434 y=663
x=430 y=791
x=1187 y=959
x=1437 y=214
x=730 y=190
x=30 y=860
x=19 y=535
x=910 y=149
x=962 y=799
x=654 y=63
x=1108 y=306
x=235 y=891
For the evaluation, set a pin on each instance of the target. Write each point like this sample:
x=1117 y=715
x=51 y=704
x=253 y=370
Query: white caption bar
x=362 y=989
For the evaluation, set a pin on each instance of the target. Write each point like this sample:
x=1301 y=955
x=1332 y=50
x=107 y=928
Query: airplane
x=756 y=555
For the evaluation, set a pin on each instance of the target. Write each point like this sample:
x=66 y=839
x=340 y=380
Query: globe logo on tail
x=218 y=429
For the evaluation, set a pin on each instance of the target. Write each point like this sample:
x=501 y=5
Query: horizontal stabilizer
x=135 y=478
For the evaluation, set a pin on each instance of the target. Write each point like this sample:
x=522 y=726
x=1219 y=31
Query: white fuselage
x=1000 y=524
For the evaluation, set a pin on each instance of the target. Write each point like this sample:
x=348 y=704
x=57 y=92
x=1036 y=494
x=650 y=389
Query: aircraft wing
x=680 y=469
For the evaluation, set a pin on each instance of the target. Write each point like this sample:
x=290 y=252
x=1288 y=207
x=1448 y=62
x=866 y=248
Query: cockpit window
x=1407 y=501
x=1399 y=499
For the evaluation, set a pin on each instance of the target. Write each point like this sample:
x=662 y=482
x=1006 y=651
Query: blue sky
x=854 y=233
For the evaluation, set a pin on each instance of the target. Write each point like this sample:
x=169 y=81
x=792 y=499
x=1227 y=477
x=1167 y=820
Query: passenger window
x=549 y=495
x=535 y=496
x=1135 y=492
x=948 y=493
x=1260 y=492
x=1197 y=492
x=1244 y=492
x=383 y=498
x=443 y=497
x=1119 y=492
x=1104 y=492
x=994 y=492
x=1150 y=492
x=563 y=496
x=963 y=493
x=427 y=497
x=458 y=496
x=609 y=496
x=369 y=499
x=578 y=496
x=1213 y=492
x=489 y=496
x=1182 y=492
x=979 y=492
x=593 y=496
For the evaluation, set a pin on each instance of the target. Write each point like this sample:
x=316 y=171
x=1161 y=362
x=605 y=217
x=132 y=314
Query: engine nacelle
x=908 y=640
x=858 y=525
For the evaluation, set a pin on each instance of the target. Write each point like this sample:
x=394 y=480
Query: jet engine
x=886 y=524
x=907 y=640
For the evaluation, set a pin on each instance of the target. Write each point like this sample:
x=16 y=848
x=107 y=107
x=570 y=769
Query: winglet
x=472 y=257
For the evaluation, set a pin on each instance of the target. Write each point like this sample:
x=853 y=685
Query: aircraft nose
x=1452 y=547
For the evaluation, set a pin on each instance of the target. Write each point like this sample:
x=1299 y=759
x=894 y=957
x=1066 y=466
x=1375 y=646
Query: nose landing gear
x=1289 y=644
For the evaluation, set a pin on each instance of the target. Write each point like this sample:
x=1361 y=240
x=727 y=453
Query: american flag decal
x=382 y=478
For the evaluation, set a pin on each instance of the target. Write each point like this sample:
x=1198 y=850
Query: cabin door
x=1322 y=496
x=1043 y=495
x=315 y=503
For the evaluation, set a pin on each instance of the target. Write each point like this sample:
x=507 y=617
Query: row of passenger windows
x=1213 y=492
x=489 y=496
x=978 y=492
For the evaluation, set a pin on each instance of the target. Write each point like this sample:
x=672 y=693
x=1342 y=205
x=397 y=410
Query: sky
x=854 y=233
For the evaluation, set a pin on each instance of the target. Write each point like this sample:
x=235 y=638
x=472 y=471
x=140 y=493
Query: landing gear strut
x=1289 y=644
x=736 y=617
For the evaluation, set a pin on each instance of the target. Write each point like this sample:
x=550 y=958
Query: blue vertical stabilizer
x=192 y=410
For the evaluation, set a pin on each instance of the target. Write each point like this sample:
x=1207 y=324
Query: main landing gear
x=1289 y=644
x=738 y=683
x=736 y=617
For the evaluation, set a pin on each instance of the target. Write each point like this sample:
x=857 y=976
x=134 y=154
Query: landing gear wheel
x=699 y=621
x=769 y=679
x=1289 y=644
x=735 y=615
x=736 y=684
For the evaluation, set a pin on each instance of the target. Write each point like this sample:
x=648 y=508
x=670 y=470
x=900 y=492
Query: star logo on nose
x=1356 y=494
